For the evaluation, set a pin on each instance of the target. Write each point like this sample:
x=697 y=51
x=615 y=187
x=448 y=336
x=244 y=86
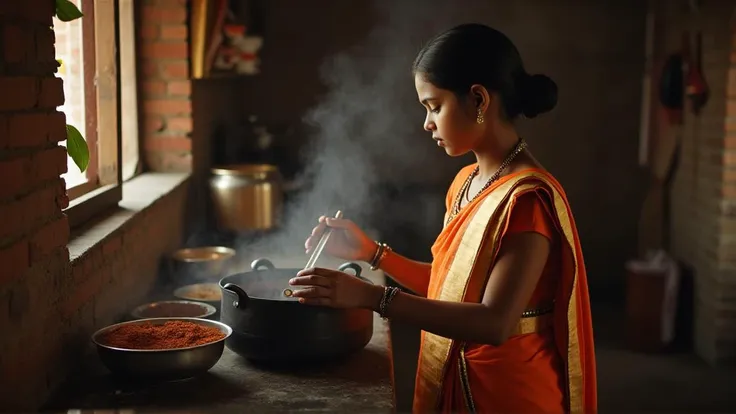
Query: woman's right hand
x=347 y=240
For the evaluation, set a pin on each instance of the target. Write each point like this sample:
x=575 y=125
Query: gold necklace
x=520 y=146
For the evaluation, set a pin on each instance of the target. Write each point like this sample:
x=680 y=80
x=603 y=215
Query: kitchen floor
x=628 y=382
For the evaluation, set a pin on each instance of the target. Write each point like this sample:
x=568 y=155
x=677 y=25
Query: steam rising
x=368 y=131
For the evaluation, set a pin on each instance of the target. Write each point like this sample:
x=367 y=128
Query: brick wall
x=49 y=304
x=165 y=91
x=704 y=191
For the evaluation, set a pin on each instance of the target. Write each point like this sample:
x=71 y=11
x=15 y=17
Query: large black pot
x=268 y=326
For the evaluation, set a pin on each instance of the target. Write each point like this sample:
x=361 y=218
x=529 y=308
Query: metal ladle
x=317 y=251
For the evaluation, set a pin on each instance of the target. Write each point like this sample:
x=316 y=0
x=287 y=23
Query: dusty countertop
x=360 y=383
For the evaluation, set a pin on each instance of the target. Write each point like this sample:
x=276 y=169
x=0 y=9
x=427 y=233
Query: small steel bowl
x=195 y=292
x=165 y=364
x=174 y=309
x=201 y=264
x=190 y=293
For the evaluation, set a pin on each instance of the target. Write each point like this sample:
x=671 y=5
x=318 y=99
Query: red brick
x=154 y=88
x=9 y=8
x=169 y=3
x=179 y=88
x=148 y=31
x=19 y=93
x=153 y=123
x=175 y=70
x=168 y=144
x=45 y=39
x=729 y=158
x=50 y=164
x=14 y=173
x=39 y=11
x=4 y=136
x=12 y=228
x=730 y=124
x=15 y=43
x=729 y=191
x=28 y=130
x=82 y=294
x=174 y=32
x=731 y=107
x=62 y=201
x=149 y=69
x=28 y=212
x=50 y=237
x=56 y=123
x=165 y=50
x=170 y=161
x=15 y=260
x=52 y=93
x=165 y=15
x=729 y=176
x=179 y=124
x=168 y=107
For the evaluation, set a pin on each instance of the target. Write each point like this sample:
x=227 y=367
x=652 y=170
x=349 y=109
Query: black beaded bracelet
x=389 y=293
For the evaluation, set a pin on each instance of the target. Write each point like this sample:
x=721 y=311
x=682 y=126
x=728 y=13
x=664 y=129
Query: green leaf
x=76 y=146
x=66 y=11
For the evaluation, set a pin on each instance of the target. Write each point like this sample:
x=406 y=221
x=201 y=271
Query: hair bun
x=538 y=95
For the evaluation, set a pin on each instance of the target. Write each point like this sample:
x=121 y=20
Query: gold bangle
x=375 y=254
x=384 y=250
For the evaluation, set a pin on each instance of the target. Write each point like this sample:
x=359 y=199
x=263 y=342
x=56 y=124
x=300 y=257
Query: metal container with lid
x=246 y=197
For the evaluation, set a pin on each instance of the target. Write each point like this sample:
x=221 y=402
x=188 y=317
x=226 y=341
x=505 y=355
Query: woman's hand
x=335 y=289
x=347 y=240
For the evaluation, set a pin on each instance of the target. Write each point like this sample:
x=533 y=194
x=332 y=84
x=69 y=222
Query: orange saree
x=548 y=364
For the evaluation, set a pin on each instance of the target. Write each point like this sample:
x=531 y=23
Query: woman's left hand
x=335 y=289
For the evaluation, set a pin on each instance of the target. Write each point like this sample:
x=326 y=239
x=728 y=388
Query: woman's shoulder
x=539 y=178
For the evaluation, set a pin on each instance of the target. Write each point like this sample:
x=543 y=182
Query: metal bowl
x=174 y=309
x=199 y=292
x=167 y=364
x=208 y=263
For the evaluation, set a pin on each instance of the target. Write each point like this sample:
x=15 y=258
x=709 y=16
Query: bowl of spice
x=174 y=309
x=161 y=348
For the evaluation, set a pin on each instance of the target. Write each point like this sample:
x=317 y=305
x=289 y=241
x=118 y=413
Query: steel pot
x=268 y=326
x=246 y=197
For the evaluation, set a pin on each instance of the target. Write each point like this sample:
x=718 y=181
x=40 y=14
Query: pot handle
x=242 y=301
x=355 y=268
x=262 y=263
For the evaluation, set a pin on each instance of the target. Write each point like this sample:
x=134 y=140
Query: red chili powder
x=169 y=335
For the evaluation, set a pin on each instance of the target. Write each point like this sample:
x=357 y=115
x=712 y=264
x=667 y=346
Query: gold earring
x=479 y=118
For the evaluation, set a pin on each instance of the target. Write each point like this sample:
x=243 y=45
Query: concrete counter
x=357 y=384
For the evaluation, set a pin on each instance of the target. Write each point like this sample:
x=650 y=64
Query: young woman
x=504 y=304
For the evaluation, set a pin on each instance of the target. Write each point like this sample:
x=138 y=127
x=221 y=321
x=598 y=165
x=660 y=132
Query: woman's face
x=452 y=122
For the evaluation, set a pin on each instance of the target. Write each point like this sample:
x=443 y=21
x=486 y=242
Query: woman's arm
x=411 y=274
x=517 y=270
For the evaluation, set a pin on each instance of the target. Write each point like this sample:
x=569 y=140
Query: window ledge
x=139 y=194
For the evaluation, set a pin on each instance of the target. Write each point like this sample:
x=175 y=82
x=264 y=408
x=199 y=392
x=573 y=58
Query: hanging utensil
x=697 y=87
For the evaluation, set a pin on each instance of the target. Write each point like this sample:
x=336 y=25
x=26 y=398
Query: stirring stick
x=317 y=250
x=322 y=243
